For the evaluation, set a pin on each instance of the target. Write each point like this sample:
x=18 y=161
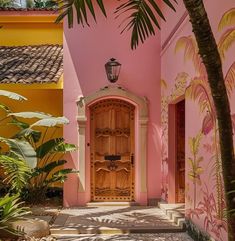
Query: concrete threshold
x=111 y=204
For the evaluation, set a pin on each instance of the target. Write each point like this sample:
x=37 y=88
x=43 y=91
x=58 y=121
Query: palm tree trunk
x=210 y=56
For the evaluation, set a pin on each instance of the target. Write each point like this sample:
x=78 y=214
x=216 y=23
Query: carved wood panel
x=112 y=150
x=180 y=147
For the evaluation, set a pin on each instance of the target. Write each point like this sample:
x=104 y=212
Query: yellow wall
x=27 y=28
x=30 y=30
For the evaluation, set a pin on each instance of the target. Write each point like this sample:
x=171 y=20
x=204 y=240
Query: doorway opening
x=176 y=132
x=112 y=150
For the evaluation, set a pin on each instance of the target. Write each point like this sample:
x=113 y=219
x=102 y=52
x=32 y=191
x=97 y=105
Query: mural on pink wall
x=204 y=193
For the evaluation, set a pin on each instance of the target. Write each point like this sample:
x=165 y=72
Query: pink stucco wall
x=207 y=187
x=86 y=50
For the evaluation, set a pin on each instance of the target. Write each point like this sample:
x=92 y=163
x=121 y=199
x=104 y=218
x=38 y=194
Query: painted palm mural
x=204 y=193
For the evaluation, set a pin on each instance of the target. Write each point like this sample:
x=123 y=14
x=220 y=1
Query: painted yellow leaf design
x=228 y=19
x=199 y=90
x=190 y=161
x=230 y=79
x=199 y=170
x=163 y=84
x=226 y=41
x=189 y=45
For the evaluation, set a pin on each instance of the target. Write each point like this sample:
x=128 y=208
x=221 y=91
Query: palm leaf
x=12 y=95
x=16 y=170
x=11 y=210
x=81 y=7
x=226 y=41
x=228 y=19
x=142 y=19
x=22 y=149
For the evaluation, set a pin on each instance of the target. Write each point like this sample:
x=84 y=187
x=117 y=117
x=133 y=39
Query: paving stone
x=113 y=219
x=128 y=237
x=32 y=227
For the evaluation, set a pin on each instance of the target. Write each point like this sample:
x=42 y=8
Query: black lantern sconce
x=112 y=68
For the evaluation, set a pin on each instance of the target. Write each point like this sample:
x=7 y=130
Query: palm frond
x=226 y=41
x=16 y=170
x=10 y=210
x=142 y=19
x=228 y=19
x=81 y=7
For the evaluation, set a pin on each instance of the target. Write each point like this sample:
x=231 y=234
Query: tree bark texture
x=210 y=56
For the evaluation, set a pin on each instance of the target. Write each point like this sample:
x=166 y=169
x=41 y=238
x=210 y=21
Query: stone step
x=111 y=231
x=175 y=212
x=110 y=204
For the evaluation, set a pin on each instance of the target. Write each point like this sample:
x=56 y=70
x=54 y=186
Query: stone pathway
x=128 y=237
x=103 y=223
x=113 y=220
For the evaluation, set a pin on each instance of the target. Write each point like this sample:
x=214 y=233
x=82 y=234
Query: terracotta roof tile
x=31 y=64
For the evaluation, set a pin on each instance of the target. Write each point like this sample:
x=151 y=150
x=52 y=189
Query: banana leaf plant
x=36 y=146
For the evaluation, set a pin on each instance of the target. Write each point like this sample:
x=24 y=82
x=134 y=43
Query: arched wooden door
x=112 y=150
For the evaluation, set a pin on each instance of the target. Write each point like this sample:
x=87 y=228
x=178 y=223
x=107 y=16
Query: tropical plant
x=195 y=170
x=16 y=170
x=10 y=210
x=141 y=21
x=45 y=4
x=37 y=147
x=6 y=3
x=208 y=207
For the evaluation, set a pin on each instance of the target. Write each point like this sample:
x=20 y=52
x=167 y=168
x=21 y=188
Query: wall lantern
x=112 y=68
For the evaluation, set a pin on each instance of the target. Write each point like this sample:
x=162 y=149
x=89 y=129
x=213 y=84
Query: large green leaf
x=12 y=95
x=29 y=133
x=51 y=122
x=60 y=176
x=22 y=149
x=28 y=114
x=48 y=147
x=56 y=145
x=48 y=167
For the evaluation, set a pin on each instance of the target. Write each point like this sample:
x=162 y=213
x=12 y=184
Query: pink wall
x=178 y=74
x=86 y=50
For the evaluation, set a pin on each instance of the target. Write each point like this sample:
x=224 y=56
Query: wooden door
x=112 y=150
x=180 y=150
